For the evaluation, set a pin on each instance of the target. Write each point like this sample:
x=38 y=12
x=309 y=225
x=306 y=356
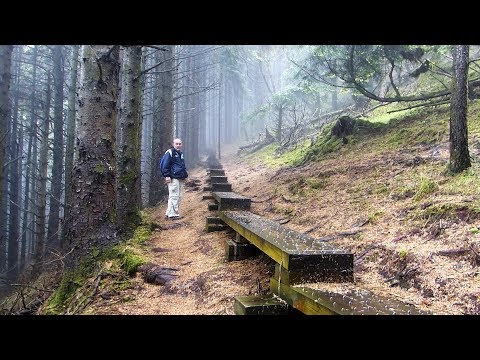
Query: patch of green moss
x=123 y=256
x=316 y=183
x=128 y=259
x=427 y=186
x=447 y=211
x=465 y=183
x=71 y=282
x=99 y=169
x=374 y=216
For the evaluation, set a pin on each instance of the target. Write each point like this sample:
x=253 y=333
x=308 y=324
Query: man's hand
x=168 y=180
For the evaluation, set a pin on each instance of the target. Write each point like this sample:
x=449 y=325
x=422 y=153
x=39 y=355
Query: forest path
x=205 y=282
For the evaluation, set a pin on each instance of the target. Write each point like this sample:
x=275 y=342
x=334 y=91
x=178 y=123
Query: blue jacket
x=172 y=164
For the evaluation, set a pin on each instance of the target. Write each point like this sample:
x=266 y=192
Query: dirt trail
x=206 y=283
x=394 y=257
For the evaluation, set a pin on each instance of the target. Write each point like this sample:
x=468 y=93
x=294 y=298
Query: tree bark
x=459 y=156
x=72 y=92
x=129 y=132
x=57 y=166
x=28 y=217
x=5 y=75
x=92 y=220
x=14 y=196
x=162 y=123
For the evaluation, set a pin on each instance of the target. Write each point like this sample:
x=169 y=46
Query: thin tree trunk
x=28 y=217
x=41 y=202
x=14 y=203
x=162 y=126
x=72 y=91
x=128 y=150
x=459 y=156
x=57 y=166
x=92 y=220
x=5 y=75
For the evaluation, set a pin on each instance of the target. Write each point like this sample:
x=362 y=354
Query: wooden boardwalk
x=300 y=259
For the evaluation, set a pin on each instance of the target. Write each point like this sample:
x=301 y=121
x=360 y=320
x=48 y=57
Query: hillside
x=384 y=195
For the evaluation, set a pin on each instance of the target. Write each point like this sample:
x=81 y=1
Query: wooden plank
x=312 y=274
x=214 y=227
x=230 y=200
x=298 y=300
x=288 y=247
x=212 y=207
x=214 y=220
x=353 y=301
x=218 y=179
x=207 y=197
x=226 y=187
x=260 y=305
x=271 y=250
x=235 y=251
x=216 y=172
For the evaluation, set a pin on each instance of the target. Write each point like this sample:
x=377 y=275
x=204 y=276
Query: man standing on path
x=172 y=166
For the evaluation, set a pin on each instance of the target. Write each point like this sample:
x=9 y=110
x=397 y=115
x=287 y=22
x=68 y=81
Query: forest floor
x=205 y=283
x=400 y=251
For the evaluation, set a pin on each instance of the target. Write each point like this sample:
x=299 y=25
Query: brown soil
x=393 y=257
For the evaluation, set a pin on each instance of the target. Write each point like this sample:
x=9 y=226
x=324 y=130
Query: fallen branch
x=452 y=252
x=313 y=228
x=338 y=235
x=362 y=255
x=260 y=201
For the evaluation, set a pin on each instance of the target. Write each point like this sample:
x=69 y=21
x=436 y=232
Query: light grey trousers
x=175 y=194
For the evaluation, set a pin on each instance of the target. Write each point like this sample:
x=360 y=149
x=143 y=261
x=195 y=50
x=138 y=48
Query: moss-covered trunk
x=93 y=214
x=459 y=156
x=129 y=137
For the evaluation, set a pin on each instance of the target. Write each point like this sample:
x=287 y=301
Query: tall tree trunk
x=162 y=126
x=219 y=125
x=5 y=75
x=459 y=156
x=57 y=167
x=93 y=212
x=72 y=91
x=28 y=217
x=41 y=202
x=128 y=150
x=15 y=156
x=23 y=247
x=192 y=155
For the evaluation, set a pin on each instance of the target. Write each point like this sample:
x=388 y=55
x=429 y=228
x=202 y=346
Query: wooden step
x=216 y=172
x=212 y=207
x=352 y=301
x=260 y=305
x=230 y=200
x=221 y=187
x=236 y=251
x=296 y=252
